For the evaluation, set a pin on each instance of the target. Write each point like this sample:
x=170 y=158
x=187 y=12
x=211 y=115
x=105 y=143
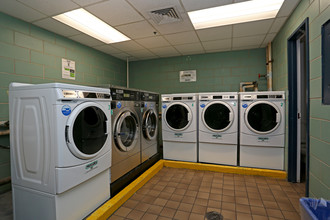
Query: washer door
x=262 y=117
x=178 y=116
x=86 y=130
x=218 y=116
x=149 y=124
x=126 y=131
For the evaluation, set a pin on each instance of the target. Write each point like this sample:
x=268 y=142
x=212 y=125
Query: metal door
x=262 y=117
x=126 y=131
x=86 y=130
x=178 y=116
x=217 y=116
x=149 y=124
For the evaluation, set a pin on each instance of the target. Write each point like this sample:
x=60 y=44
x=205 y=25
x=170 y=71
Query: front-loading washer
x=60 y=149
x=262 y=129
x=125 y=107
x=149 y=124
x=218 y=127
x=179 y=126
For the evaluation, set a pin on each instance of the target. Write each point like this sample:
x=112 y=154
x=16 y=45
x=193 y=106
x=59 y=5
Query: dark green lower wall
x=221 y=72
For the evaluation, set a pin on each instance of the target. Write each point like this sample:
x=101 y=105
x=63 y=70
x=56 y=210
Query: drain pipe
x=244 y=85
x=127 y=72
x=269 y=65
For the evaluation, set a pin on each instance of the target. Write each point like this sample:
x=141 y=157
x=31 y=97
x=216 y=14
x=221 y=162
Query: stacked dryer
x=125 y=111
x=179 y=126
x=218 y=127
x=149 y=124
x=60 y=138
x=262 y=129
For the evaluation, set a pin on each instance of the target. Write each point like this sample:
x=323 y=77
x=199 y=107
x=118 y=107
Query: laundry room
x=178 y=109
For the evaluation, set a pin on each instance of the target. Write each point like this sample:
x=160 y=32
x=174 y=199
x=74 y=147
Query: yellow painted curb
x=108 y=208
x=114 y=203
x=226 y=169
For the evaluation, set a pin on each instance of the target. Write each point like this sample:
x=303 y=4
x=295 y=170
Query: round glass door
x=86 y=130
x=149 y=126
x=217 y=116
x=262 y=117
x=178 y=116
x=126 y=131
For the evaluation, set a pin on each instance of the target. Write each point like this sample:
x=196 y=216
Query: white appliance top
x=267 y=95
x=218 y=96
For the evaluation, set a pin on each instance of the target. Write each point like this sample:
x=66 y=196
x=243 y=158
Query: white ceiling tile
x=50 y=7
x=182 y=38
x=216 y=33
x=142 y=54
x=192 y=5
x=269 y=38
x=108 y=49
x=145 y=6
x=153 y=42
x=248 y=41
x=115 y=12
x=165 y=51
x=171 y=28
x=252 y=28
x=278 y=23
x=193 y=48
x=217 y=45
x=127 y=46
x=137 y=30
x=287 y=8
x=86 y=40
x=86 y=2
x=56 y=27
x=20 y=11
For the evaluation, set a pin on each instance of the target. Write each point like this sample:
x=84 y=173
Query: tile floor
x=190 y=194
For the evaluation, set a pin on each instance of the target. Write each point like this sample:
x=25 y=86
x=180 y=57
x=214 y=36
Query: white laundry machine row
x=218 y=127
x=262 y=129
x=60 y=138
x=179 y=126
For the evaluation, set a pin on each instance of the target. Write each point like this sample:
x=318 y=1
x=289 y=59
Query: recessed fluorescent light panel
x=87 y=23
x=252 y=10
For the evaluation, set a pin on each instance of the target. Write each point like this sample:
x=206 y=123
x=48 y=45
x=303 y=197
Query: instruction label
x=68 y=69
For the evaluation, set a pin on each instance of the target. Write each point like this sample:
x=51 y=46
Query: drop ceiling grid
x=150 y=40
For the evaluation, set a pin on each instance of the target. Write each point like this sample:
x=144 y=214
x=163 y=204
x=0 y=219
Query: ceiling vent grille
x=165 y=16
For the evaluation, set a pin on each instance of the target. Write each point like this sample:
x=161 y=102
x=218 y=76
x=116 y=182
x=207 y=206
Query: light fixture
x=87 y=23
x=252 y=10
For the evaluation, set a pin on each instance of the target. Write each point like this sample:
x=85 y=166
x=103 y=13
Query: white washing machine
x=262 y=129
x=218 y=123
x=149 y=124
x=179 y=126
x=60 y=137
x=126 y=152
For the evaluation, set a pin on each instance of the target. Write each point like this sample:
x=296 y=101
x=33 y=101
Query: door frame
x=292 y=102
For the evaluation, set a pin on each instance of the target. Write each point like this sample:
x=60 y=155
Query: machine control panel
x=73 y=94
x=124 y=94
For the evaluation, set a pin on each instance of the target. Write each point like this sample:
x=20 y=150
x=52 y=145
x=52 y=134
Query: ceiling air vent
x=165 y=16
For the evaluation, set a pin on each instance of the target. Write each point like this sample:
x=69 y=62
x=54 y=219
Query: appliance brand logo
x=91 y=165
x=245 y=105
x=178 y=134
x=164 y=106
x=119 y=105
x=203 y=105
x=263 y=139
x=217 y=136
x=66 y=110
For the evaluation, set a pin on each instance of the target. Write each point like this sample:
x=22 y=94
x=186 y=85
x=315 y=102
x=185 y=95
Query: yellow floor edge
x=114 y=203
x=226 y=169
x=108 y=208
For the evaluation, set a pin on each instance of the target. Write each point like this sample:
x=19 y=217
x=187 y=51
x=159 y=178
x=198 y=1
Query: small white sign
x=68 y=69
x=188 y=76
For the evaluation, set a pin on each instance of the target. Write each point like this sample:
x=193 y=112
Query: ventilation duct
x=165 y=16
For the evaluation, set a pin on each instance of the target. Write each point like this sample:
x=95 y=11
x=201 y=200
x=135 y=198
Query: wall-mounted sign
x=188 y=76
x=68 y=69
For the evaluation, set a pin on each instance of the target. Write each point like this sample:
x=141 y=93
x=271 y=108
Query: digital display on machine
x=126 y=95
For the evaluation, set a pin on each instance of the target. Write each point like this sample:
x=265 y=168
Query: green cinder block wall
x=318 y=12
x=29 y=54
x=216 y=72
